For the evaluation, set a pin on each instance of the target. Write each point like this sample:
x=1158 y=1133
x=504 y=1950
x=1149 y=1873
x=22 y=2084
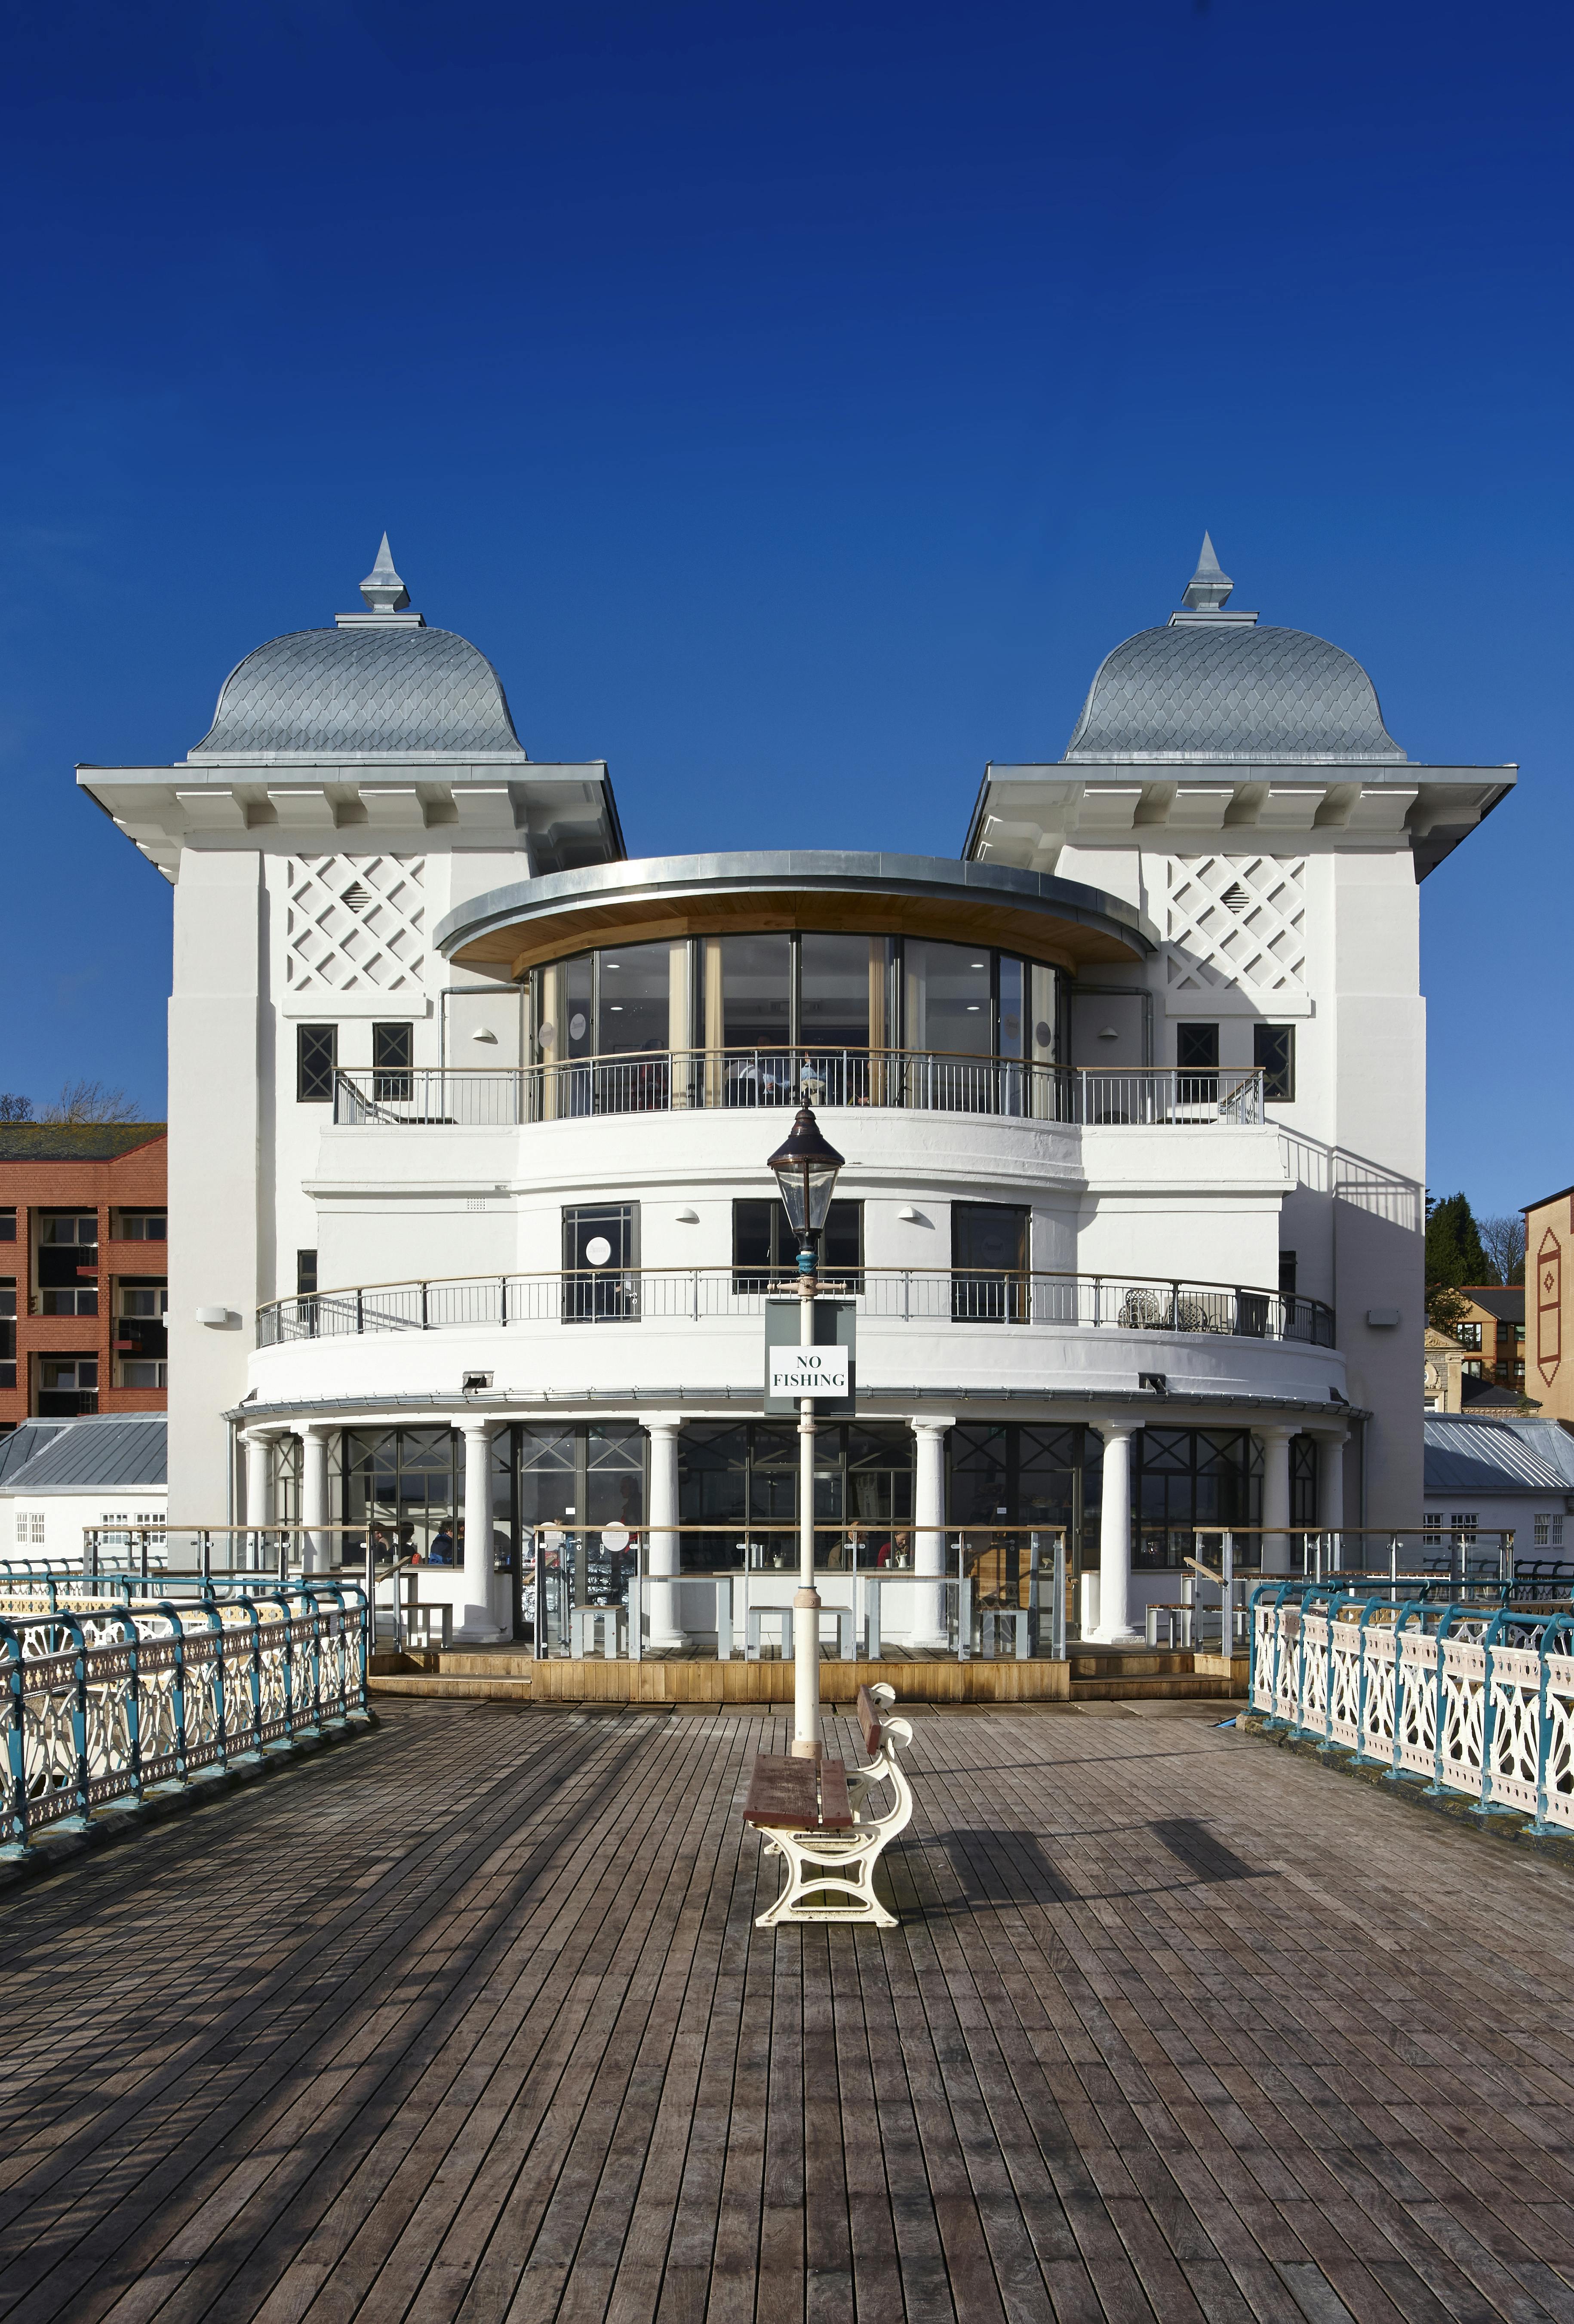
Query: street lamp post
x=807 y=1168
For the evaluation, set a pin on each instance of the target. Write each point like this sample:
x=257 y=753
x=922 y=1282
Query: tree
x=1503 y=1239
x=1446 y=1307
x=1454 y=1252
x=13 y=1107
x=90 y=1102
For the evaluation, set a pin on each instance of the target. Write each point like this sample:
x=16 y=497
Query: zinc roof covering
x=397 y=690
x=19 y=1445
x=1485 y=1456
x=105 y=1455
x=1234 y=691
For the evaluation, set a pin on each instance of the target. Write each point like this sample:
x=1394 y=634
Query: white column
x=1275 y=1437
x=664 y=1557
x=313 y=1494
x=1115 y=1534
x=478 y=1622
x=1331 y=1491
x=929 y=1606
x=259 y=1443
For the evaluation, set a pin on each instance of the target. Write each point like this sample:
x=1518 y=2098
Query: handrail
x=683 y=1079
x=1030 y=1297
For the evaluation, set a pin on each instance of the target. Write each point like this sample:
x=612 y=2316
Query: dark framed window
x=742 y=1477
x=393 y=1056
x=140 y=1226
x=1273 y=1054
x=7 y=1226
x=764 y=1247
x=1197 y=1049
x=601 y=1262
x=1286 y=1274
x=1181 y=1477
x=7 y=1331
x=1303 y=1481
x=317 y=1059
x=988 y=1259
x=66 y=1263
x=304 y=1273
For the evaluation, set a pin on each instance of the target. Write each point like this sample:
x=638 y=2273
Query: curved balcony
x=925 y=1296
x=678 y=1080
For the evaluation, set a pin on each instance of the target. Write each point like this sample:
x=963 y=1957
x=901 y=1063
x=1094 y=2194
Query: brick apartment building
x=83 y=1271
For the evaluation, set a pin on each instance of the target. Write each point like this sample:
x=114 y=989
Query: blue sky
x=795 y=402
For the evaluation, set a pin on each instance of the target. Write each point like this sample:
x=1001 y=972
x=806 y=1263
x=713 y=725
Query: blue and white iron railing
x=683 y=1080
x=1470 y=1697
x=910 y=1295
x=101 y=1705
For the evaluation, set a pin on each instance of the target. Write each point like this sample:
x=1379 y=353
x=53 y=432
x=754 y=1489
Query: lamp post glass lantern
x=807 y=1168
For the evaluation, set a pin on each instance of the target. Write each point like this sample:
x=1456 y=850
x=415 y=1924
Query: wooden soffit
x=1037 y=935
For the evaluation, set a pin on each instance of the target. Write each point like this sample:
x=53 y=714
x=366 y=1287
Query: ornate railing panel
x=1475 y=1698
x=103 y=1703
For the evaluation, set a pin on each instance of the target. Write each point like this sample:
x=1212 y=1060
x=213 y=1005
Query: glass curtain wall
x=404 y=1487
x=745 y=1004
x=736 y=1479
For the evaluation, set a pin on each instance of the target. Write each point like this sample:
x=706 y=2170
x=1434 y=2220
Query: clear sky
x=795 y=402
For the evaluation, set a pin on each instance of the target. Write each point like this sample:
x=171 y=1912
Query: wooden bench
x=815 y=1816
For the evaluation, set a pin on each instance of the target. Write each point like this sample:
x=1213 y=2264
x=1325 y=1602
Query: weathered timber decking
x=470 y=2020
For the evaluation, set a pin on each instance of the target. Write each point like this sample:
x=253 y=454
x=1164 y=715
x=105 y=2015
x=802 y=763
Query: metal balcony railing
x=681 y=1081
x=924 y=1295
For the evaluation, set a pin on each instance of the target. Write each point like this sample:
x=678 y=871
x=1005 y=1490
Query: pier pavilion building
x=471 y=1231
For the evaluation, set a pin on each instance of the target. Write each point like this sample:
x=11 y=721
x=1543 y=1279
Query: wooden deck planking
x=1174 y=2028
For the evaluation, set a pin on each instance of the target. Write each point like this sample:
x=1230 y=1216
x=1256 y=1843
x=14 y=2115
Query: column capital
x=937 y=1421
x=309 y=1431
x=482 y=1424
x=662 y=1424
x=265 y=1432
x=1328 y=1435
x=1277 y=1430
x=1107 y=1425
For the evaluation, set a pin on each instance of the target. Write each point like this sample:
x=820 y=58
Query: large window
x=949 y=996
x=580 y=1492
x=764 y=1247
x=1005 y=1474
x=988 y=1256
x=739 y=1479
x=317 y=1058
x=7 y=1331
x=405 y=1487
x=66 y=1263
x=1196 y=1048
x=601 y=1259
x=1183 y=1478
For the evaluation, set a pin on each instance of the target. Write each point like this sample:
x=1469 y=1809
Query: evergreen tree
x=1454 y=1250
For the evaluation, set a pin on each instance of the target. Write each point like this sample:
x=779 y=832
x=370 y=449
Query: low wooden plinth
x=772 y=1682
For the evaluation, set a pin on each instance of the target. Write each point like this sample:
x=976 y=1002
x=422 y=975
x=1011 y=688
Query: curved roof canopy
x=1060 y=921
x=380 y=683
x=1211 y=684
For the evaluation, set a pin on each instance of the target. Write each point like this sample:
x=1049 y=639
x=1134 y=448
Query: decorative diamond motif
x=1236 y=920
x=355 y=924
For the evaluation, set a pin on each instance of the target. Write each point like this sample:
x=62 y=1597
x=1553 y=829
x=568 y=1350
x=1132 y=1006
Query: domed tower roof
x=1213 y=685
x=380 y=683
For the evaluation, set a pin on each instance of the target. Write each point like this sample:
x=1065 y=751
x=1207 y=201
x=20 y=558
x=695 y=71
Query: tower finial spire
x=1207 y=591
x=382 y=589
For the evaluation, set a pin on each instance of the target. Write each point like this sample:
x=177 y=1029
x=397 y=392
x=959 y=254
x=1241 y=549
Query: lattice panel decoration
x=355 y=924
x=1237 y=920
